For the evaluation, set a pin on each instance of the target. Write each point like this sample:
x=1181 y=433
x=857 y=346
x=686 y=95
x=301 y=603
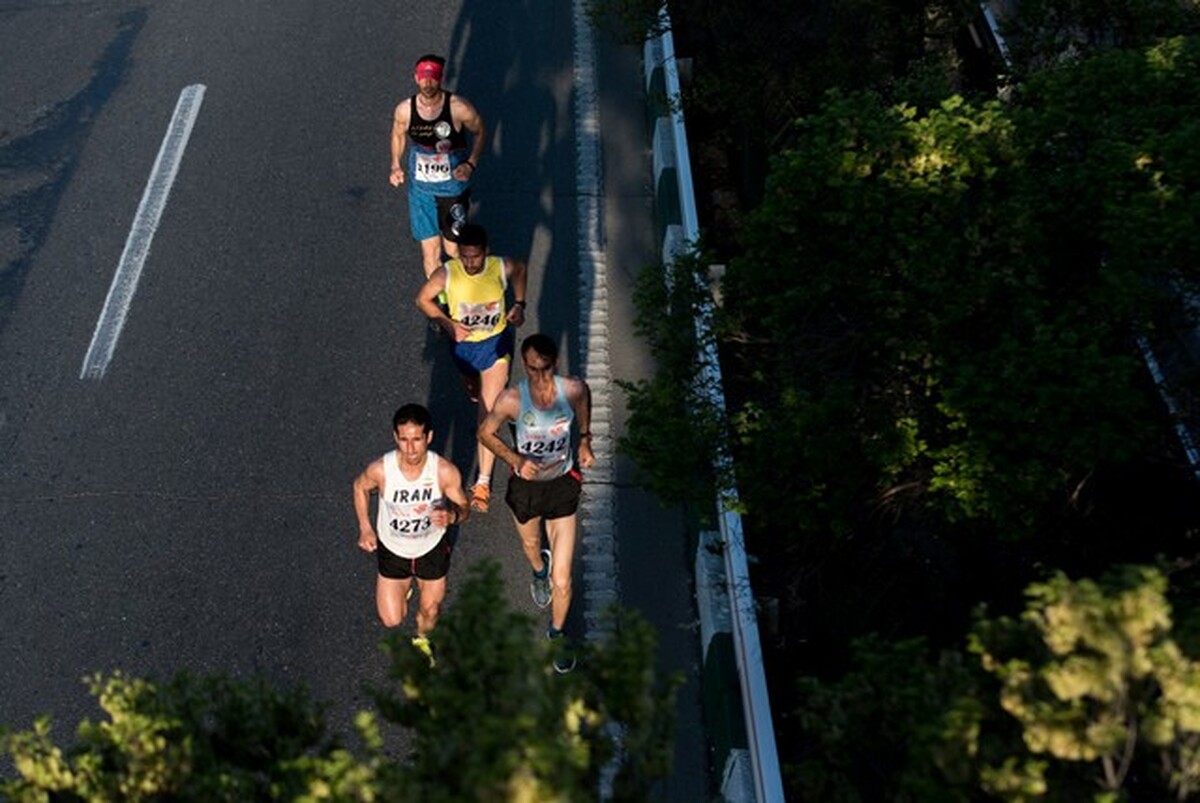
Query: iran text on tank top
x=544 y=436
x=403 y=521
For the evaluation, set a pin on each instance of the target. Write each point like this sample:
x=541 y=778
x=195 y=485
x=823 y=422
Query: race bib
x=550 y=452
x=432 y=167
x=408 y=521
x=479 y=317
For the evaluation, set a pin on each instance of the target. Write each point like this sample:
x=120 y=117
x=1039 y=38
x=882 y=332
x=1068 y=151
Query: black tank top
x=424 y=132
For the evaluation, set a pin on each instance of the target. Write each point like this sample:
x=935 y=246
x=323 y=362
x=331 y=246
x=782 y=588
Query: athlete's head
x=413 y=434
x=472 y=235
x=430 y=66
x=412 y=414
x=541 y=345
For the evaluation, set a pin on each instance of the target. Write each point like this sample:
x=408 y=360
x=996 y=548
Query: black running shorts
x=433 y=565
x=549 y=499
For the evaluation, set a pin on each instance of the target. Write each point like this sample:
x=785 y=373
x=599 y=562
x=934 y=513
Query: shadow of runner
x=50 y=153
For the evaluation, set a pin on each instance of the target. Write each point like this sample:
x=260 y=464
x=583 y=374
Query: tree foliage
x=1085 y=695
x=1046 y=32
x=191 y=739
x=742 y=96
x=878 y=731
x=675 y=426
x=627 y=21
x=961 y=288
x=1093 y=676
x=928 y=338
x=491 y=720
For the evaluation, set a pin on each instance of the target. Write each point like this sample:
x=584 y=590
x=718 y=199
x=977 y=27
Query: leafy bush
x=491 y=721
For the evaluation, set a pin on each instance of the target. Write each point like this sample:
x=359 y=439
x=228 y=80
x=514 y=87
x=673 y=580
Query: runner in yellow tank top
x=477 y=320
x=476 y=300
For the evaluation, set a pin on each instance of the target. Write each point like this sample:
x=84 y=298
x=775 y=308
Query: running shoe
x=422 y=644
x=564 y=651
x=540 y=587
x=471 y=384
x=481 y=494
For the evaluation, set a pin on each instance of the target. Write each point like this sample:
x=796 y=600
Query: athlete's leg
x=450 y=247
x=432 y=594
x=391 y=599
x=423 y=223
x=530 y=534
x=431 y=257
x=491 y=382
x=560 y=533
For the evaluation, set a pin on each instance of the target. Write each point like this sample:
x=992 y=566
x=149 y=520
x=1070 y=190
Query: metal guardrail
x=671 y=145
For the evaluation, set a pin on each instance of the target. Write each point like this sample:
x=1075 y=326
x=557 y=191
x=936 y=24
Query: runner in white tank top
x=404 y=521
x=420 y=496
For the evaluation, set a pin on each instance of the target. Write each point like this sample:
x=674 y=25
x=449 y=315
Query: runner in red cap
x=430 y=154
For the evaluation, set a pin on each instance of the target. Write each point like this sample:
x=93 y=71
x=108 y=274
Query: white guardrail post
x=753 y=770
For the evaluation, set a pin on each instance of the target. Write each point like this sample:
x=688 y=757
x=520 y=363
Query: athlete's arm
x=464 y=115
x=426 y=301
x=399 y=142
x=517 y=279
x=506 y=408
x=370 y=481
x=580 y=397
x=459 y=509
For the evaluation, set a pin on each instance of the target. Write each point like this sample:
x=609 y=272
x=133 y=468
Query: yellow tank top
x=478 y=301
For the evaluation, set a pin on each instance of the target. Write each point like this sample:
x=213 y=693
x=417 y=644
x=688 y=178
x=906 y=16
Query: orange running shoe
x=481 y=494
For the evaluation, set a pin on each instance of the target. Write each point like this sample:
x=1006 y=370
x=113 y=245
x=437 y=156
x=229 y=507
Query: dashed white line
x=137 y=245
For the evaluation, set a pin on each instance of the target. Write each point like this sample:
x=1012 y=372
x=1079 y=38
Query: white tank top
x=402 y=521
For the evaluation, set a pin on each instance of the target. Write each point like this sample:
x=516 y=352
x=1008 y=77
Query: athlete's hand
x=516 y=315
x=397 y=177
x=461 y=331
x=528 y=470
x=462 y=172
x=586 y=458
x=441 y=516
x=367 y=540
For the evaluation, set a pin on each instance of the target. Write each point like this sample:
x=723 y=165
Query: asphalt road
x=192 y=508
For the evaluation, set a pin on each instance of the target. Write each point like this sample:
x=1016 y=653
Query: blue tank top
x=544 y=436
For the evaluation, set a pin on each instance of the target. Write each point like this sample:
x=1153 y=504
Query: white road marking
x=137 y=246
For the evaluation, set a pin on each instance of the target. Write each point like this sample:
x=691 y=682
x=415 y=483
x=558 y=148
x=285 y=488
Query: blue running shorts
x=475 y=358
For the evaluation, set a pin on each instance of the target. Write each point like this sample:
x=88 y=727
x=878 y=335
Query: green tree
x=1045 y=32
x=1086 y=690
x=490 y=721
x=881 y=730
x=192 y=739
x=1093 y=676
x=674 y=425
x=903 y=50
x=627 y=21
x=935 y=310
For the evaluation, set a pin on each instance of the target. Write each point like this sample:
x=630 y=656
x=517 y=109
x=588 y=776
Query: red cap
x=429 y=69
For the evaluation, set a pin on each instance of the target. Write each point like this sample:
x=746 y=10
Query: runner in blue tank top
x=546 y=481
